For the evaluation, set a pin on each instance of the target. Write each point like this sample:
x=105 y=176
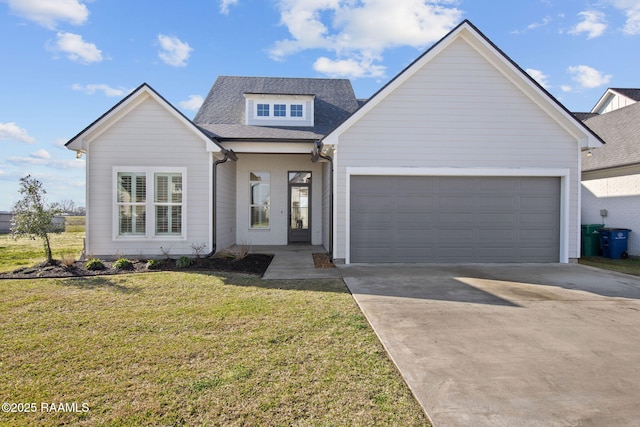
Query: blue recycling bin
x=614 y=242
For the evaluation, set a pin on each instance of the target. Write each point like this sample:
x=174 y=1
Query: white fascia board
x=270 y=147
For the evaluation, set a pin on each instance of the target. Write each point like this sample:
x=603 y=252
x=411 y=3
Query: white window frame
x=150 y=204
x=169 y=203
x=272 y=115
x=251 y=205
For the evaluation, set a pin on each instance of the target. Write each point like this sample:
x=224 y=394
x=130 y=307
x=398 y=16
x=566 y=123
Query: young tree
x=32 y=216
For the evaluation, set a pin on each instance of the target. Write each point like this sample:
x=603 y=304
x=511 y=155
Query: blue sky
x=66 y=62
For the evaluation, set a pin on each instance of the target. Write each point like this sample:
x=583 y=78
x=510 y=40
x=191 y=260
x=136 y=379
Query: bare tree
x=67 y=206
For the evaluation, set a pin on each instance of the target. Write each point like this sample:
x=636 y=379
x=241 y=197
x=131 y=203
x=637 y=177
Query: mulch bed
x=252 y=264
x=323 y=261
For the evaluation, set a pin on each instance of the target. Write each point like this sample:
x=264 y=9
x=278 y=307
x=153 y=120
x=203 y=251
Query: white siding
x=278 y=165
x=148 y=136
x=326 y=205
x=226 y=205
x=620 y=196
x=613 y=102
x=458 y=111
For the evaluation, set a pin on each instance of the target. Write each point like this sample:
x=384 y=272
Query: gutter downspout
x=228 y=155
x=315 y=154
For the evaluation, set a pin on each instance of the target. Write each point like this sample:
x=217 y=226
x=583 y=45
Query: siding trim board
x=561 y=173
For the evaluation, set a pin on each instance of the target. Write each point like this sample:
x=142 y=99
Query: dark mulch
x=323 y=261
x=252 y=264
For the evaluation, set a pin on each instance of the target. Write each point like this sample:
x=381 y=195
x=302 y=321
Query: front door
x=299 y=207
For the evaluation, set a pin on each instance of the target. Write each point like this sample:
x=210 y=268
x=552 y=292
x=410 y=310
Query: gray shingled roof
x=584 y=116
x=223 y=111
x=620 y=129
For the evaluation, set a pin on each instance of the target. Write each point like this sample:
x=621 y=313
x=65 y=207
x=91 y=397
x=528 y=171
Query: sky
x=64 y=63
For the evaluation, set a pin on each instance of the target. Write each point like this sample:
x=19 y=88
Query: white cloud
x=359 y=32
x=11 y=131
x=224 y=5
x=540 y=77
x=545 y=21
x=566 y=88
x=173 y=51
x=631 y=8
x=193 y=103
x=348 y=68
x=41 y=154
x=77 y=49
x=588 y=77
x=91 y=89
x=35 y=160
x=49 y=12
x=592 y=24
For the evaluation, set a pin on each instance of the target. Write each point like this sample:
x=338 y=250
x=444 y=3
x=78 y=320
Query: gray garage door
x=455 y=219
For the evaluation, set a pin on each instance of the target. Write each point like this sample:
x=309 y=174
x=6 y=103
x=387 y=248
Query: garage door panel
x=455 y=202
x=452 y=219
x=500 y=220
x=495 y=203
x=455 y=219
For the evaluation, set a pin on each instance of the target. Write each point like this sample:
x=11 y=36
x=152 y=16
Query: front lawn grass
x=629 y=266
x=195 y=349
x=27 y=252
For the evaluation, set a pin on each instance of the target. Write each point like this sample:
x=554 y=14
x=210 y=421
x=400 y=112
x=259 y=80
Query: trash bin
x=614 y=242
x=591 y=239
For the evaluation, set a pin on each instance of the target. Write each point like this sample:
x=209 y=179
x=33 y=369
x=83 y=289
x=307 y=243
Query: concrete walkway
x=509 y=345
x=295 y=262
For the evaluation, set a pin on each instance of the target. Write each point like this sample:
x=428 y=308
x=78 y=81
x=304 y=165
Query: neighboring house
x=615 y=98
x=462 y=157
x=611 y=175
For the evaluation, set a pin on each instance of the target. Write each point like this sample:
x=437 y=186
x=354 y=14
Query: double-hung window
x=168 y=203
x=149 y=202
x=132 y=203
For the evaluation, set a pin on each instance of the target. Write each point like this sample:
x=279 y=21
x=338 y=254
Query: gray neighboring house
x=611 y=174
x=461 y=157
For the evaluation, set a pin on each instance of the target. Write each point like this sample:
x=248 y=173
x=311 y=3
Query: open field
x=195 y=349
x=26 y=252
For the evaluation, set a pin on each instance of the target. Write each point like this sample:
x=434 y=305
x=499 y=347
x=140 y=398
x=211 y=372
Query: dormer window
x=263 y=110
x=296 y=110
x=279 y=110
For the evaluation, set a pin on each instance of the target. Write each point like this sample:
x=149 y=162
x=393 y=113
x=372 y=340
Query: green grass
x=195 y=349
x=26 y=252
x=629 y=266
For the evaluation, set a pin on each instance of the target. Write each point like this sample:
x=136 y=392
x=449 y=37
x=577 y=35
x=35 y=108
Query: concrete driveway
x=509 y=345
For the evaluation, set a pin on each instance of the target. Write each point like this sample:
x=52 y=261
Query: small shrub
x=154 y=264
x=94 y=264
x=198 y=249
x=242 y=250
x=68 y=260
x=184 y=262
x=123 y=264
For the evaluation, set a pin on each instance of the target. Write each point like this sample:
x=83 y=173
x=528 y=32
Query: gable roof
x=621 y=130
x=502 y=63
x=223 y=110
x=632 y=94
x=128 y=103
